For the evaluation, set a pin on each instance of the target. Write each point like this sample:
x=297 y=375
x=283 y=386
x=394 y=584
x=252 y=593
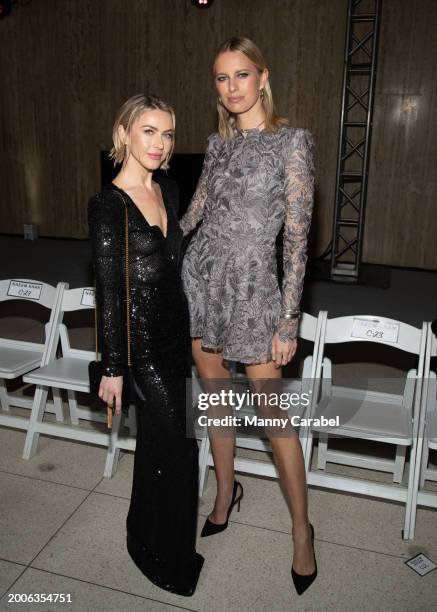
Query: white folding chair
x=309 y=329
x=69 y=372
x=426 y=436
x=18 y=357
x=430 y=417
x=367 y=414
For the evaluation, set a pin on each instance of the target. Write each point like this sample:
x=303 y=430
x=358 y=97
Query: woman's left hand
x=282 y=352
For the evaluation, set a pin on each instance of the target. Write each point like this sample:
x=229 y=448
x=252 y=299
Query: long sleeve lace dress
x=250 y=186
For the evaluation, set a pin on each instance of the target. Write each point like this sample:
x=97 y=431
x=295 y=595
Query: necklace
x=250 y=129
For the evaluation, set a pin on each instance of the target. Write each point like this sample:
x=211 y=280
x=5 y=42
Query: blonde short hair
x=226 y=120
x=128 y=113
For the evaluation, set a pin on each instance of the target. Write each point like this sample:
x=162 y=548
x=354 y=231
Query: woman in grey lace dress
x=258 y=176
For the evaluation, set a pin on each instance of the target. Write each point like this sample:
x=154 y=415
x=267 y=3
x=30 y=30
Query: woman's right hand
x=110 y=390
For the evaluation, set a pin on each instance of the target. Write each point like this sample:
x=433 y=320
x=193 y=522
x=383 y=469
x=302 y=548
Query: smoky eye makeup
x=240 y=73
x=148 y=129
x=151 y=130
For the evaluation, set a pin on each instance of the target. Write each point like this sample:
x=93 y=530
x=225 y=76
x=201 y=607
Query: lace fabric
x=299 y=194
x=194 y=213
x=249 y=188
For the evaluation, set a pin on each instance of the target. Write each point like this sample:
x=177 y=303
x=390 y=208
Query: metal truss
x=354 y=142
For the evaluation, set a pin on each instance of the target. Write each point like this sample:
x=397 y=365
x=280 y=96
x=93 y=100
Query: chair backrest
x=81 y=298
x=28 y=290
x=67 y=300
x=37 y=292
x=78 y=299
x=429 y=392
x=370 y=328
x=310 y=328
x=41 y=293
x=432 y=343
x=430 y=374
x=380 y=330
x=427 y=399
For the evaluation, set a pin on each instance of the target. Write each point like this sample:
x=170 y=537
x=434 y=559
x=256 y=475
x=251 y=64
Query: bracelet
x=291 y=314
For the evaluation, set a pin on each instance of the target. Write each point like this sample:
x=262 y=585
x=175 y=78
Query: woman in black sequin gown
x=162 y=518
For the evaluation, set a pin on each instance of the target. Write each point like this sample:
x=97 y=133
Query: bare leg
x=211 y=366
x=288 y=457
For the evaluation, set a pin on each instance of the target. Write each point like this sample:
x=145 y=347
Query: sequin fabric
x=250 y=186
x=162 y=518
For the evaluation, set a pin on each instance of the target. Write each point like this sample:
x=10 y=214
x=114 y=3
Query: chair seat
x=63 y=373
x=365 y=418
x=14 y=361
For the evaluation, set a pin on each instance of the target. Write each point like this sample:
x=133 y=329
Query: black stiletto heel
x=303 y=581
x=210 y=528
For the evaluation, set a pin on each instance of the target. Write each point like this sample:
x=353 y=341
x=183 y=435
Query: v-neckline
x=154 y=226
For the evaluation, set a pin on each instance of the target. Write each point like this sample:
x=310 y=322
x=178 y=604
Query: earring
x=261 y=93
x=219 y=100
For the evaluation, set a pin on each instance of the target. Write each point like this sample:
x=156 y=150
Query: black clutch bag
x=95 y=368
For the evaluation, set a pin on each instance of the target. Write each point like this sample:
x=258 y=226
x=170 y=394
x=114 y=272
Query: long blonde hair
x=128 y=113
x=226 y=120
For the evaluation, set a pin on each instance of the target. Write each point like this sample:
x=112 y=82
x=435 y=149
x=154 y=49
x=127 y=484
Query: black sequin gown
x=162 y=518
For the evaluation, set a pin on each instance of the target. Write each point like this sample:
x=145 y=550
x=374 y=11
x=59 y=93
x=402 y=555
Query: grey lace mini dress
x=251 y=185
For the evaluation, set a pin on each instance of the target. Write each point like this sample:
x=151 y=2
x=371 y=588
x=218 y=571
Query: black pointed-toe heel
x=210 y=528
x=303 y=581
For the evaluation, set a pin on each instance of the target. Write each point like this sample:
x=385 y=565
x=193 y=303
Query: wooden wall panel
x=66 y=66
x=401 y=215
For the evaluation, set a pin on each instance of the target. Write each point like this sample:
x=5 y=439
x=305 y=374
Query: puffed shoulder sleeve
x=194 y=213
x=106 y=235
x=299 y=196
